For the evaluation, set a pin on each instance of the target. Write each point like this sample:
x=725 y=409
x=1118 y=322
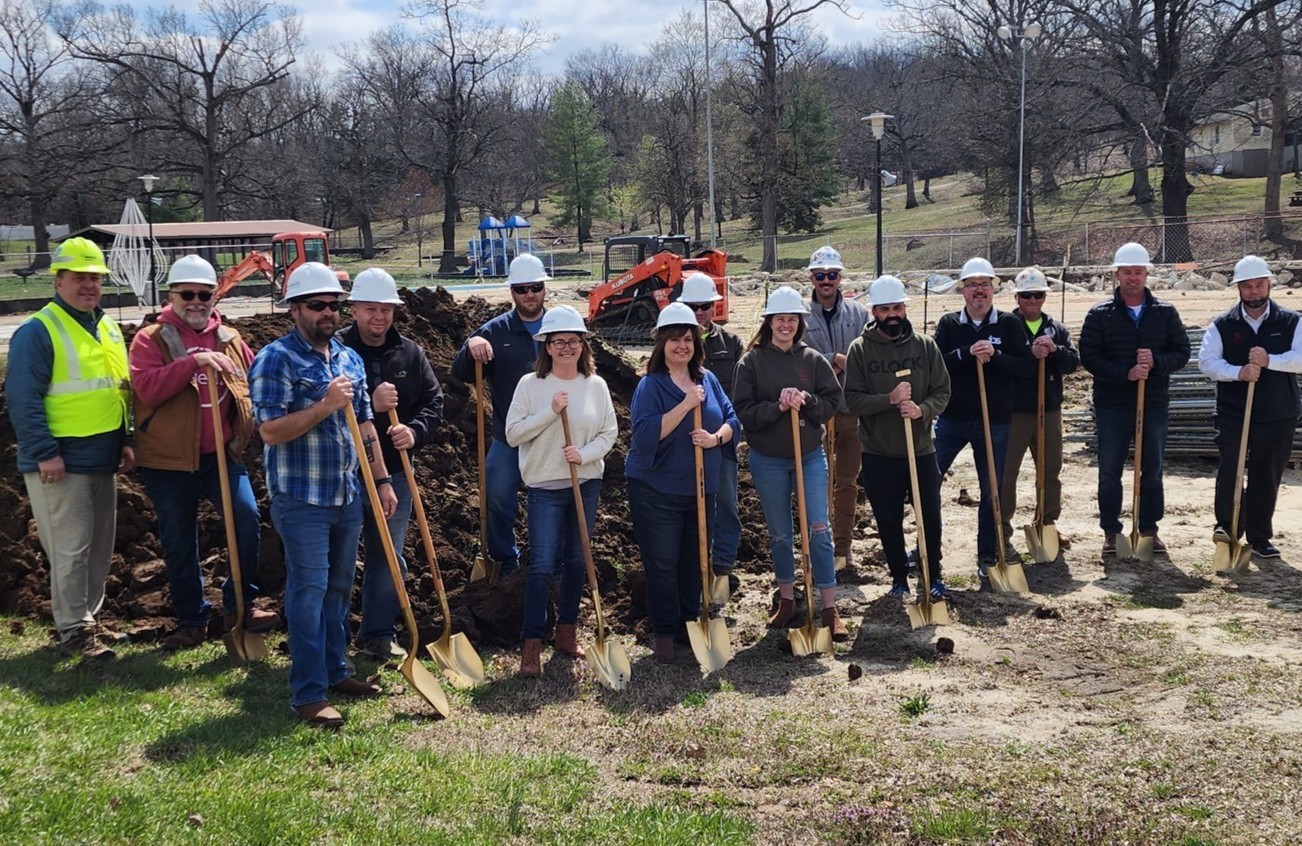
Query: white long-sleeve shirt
x=1211 y=357
x=532 y=426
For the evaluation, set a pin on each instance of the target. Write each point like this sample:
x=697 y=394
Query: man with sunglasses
x=979 y=332
x=300 y=385
x=506 y=349
x=176 y=444
x=1051 y=342
x=398 y=376
x=834 y=323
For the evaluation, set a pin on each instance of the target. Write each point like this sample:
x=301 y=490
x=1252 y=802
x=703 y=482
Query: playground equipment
x=498 y=243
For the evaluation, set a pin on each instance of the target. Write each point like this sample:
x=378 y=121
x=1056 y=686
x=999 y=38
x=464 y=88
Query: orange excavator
x=254 y=262
x=645 y=273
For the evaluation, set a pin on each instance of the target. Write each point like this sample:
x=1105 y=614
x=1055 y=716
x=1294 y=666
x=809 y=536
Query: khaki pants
x=1021 y=437
x=77 y=521
x=845 y=482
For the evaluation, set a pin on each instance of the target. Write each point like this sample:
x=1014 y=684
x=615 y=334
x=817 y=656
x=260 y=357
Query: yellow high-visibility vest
x=89 y=389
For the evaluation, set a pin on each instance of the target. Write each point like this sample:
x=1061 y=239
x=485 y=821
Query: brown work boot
x=185 y=637
x=85 y=645
x=256 y=620
x=832 y=622
x=531 y=658
x=1158 y=546
x=782 y=617
x=567 y=641
x=319 y=715
x=664 y=650
x=1109 y=543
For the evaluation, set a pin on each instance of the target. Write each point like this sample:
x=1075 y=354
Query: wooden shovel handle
x=804 y=518
x=483 y=469
x=586 y=542
x=228 y=514
x=702 y=546
x=426 y=538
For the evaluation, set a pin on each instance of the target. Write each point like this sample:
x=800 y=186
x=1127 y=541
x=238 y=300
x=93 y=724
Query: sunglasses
x=322 y=305
x=830 y=276
x=1032 y=295
x=189 y=296
x=702 y=306
x=531 y=288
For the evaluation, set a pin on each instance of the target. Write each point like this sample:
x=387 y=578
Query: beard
x=1256 y=304
x=892 y=327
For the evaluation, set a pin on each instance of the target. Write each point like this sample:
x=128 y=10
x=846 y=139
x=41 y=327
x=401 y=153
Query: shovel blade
x=923 y=614
x=1125 y=547
x=460 y=663
x=610 y=664
x=1231 y=557
x=1243 y=559
x=1035 y=544
x=423 y=682
x=479 y=570
x=1049 y=544
x=810 y=640
x=1009 y=578
x=719 y=592
x=710 y=644
x=1144 y=550
x=245 y=646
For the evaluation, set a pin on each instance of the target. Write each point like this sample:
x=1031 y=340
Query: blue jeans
x=954 y=433
x=726 y=533
x=1115 y=429
x=664 y=526
x=775 y=482
x=379 y=596
x=503 y=483
x=176 y=495
x=556 y=547
x=320 y=560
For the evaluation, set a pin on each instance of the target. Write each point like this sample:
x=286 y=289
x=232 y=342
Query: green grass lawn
x=191 y=748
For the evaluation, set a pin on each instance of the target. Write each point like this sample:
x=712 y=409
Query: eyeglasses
x=1031 y=295
x=830 y=276
x=566 y=343
x=322 y=305
x=978 y=285
x=531 y=288
x=188 y=296
x=702 y=306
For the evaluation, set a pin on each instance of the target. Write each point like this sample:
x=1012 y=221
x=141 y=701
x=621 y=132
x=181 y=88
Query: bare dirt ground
x=1120 y=703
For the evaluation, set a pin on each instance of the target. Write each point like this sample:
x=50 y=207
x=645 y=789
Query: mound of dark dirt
x=446 y=474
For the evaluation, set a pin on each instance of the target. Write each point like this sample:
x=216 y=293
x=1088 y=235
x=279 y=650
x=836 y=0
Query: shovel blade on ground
x=459 y=661
x=479 y=570
x=1041 y=543
x=1125 y=548
x=923 y=614
x=710 y=644
x=610 y=664
x=719 y=591
x=1144 y=550
x=1231 y=557
x=246 y=646
x=423 y=682
x=1009 y=578
x=810 y=640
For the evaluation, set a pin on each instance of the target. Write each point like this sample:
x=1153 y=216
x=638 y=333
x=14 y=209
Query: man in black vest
x=1255 y=341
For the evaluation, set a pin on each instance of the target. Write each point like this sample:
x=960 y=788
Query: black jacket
x=1110 y=340
x=723 y=350
x=1277 y=395
x=401 y=362
x=1026 y=392
x=955 y=335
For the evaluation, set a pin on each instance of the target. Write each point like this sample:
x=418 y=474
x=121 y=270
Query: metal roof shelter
x=178 y=234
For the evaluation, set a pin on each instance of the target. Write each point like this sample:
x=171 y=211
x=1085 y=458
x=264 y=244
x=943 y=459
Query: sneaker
x=983 y=567
x=382 y=649
x=939 y=591
x=1265 y=549
x=1110 y=543
x=900 y=589
x=1219 y=535
x=914 y=560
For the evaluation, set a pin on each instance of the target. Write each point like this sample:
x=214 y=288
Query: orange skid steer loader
x=645 y=273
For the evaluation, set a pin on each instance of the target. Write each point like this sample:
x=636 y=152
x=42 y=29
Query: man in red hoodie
x=176 y=446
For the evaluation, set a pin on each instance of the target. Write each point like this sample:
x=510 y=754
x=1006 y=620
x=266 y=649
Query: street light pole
x=877 y=120
x=149 y=180
x=1027 y=37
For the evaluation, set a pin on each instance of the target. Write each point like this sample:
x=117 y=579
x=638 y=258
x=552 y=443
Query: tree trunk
x=585 y=227
x=769 y=162
x=368 y=237
x=1176 y=189
x=926 y=188
x=1140 y=186
x=448 y=258
x=1273 y=223
x=906 y=174
x=41 y=255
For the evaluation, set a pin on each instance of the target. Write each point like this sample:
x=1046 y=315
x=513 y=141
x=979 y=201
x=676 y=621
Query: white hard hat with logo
x=699 y=288
x=676 y=314
x=1251 y=267
x=1032 y=280
x=977 y=266
x=525 y=269
x=375 y=285
x=1132 y=255
x=785 y=300
x=886 y=290
x=561 y=318
x=192 y=269
x=825 y=258
x=309 y=278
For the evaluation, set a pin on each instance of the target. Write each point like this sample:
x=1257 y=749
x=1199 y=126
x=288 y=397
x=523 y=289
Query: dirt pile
x=446 y=473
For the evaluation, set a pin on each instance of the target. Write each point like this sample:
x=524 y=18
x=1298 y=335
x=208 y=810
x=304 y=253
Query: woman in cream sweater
x=563 y=378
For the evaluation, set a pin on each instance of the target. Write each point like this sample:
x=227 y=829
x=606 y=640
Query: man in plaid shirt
x=300 y=385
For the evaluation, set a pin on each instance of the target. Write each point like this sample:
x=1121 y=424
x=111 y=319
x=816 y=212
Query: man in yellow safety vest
x=69 y=403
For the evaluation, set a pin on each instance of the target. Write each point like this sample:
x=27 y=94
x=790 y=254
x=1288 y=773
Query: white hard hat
x=676 y=314
x=312 y=277
x=1251 y=267
x=1132 y=255
x=977 y=267
x=825 y=258
x=561 y=318
x=1030 y=280
x=698 y=288
x=375 y=285
x=886 y=290
x=526 y=268
x=785 y=300
x=193 y=269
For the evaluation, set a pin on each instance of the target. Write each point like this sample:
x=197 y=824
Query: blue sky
x=627 y=22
